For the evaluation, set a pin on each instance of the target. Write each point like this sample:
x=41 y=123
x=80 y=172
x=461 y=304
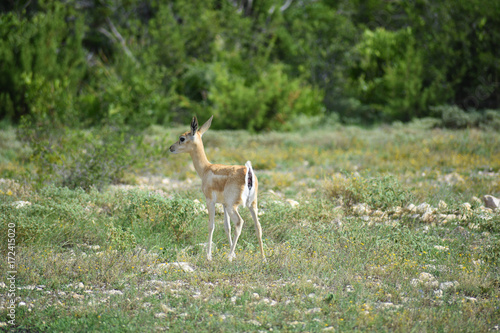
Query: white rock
x=438 y=293
x=491 y=202
x=427 y=217
x=21 y=304
x=166 y=309
x=441 y=248
x=313 y=310
x=423 y=208
x=412 y=208
x=185 y=266
x=442 y=205
x=426 y=279
x=467 y=206
x=81 y=285
x=21 y=204
x=292 y=203
x=361 y=209
x=295 y=323
x=447 y=285
x=160 y=315
x=424 y=276
x=471 y=299
x=476 y=200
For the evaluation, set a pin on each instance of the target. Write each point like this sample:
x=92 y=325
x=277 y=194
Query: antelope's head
x=189 y=140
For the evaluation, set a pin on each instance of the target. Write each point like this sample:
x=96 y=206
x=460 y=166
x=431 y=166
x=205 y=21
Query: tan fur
x=220 y=184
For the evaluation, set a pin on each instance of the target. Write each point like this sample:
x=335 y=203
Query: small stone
x=427 y=217
x=442 y=205
x=166 y=309
x=361 y=209
x=81 y=285
x=160 y=315
x=411 y=208
x=21 y=304
x=21 y=204
x=423 y=208
x=296 y=323
x=426 y=277
x=447 y=285
x=292 y=203
x=77 y=296
x=185 y=266
x=491 y=202
x=313 y=310
x=467 y=206
x=254 y=322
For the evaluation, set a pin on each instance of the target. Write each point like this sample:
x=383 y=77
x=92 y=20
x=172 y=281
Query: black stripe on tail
x=250 y=179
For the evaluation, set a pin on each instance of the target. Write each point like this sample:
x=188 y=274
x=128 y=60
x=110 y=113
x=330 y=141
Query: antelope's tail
x=249 y=190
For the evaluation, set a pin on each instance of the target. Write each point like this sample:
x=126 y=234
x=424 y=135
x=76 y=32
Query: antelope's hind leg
x=238 y=225
x=258 y=229
x=227 y=226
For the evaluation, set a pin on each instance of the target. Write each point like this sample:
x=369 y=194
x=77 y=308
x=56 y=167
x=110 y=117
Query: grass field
x=379 y=229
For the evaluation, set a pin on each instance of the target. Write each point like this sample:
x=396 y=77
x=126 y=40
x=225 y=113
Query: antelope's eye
x=182 y=139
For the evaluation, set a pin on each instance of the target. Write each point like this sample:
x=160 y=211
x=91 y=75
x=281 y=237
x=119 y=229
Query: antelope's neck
x=200 y=160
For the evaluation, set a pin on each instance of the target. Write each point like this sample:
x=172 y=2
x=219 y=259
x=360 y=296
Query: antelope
x=230 y=185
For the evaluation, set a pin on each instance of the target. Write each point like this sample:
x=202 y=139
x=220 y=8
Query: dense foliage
x=253 y=64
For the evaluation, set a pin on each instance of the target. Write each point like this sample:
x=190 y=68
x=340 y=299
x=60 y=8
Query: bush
x=149 y=214
x=379 y=192
x=80 y=159
x=387 y=74
x=454 y=117
x=42 y=63
x=268 y=103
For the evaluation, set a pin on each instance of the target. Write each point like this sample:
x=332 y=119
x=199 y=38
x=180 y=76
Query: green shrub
x=80 y=159
x=454 y=117
x=148 y=214
x=268 y=103
x=378 y=192
x=42 y=63
x=128 y=94
x=55 y=216
x=387 y=73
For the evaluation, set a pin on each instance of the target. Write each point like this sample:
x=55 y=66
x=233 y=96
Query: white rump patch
x=248 y=195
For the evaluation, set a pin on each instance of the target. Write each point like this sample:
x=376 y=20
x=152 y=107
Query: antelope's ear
x=194 y=126
x=206 y=126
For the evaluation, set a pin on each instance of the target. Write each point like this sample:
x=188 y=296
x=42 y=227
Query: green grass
x=102 y=260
